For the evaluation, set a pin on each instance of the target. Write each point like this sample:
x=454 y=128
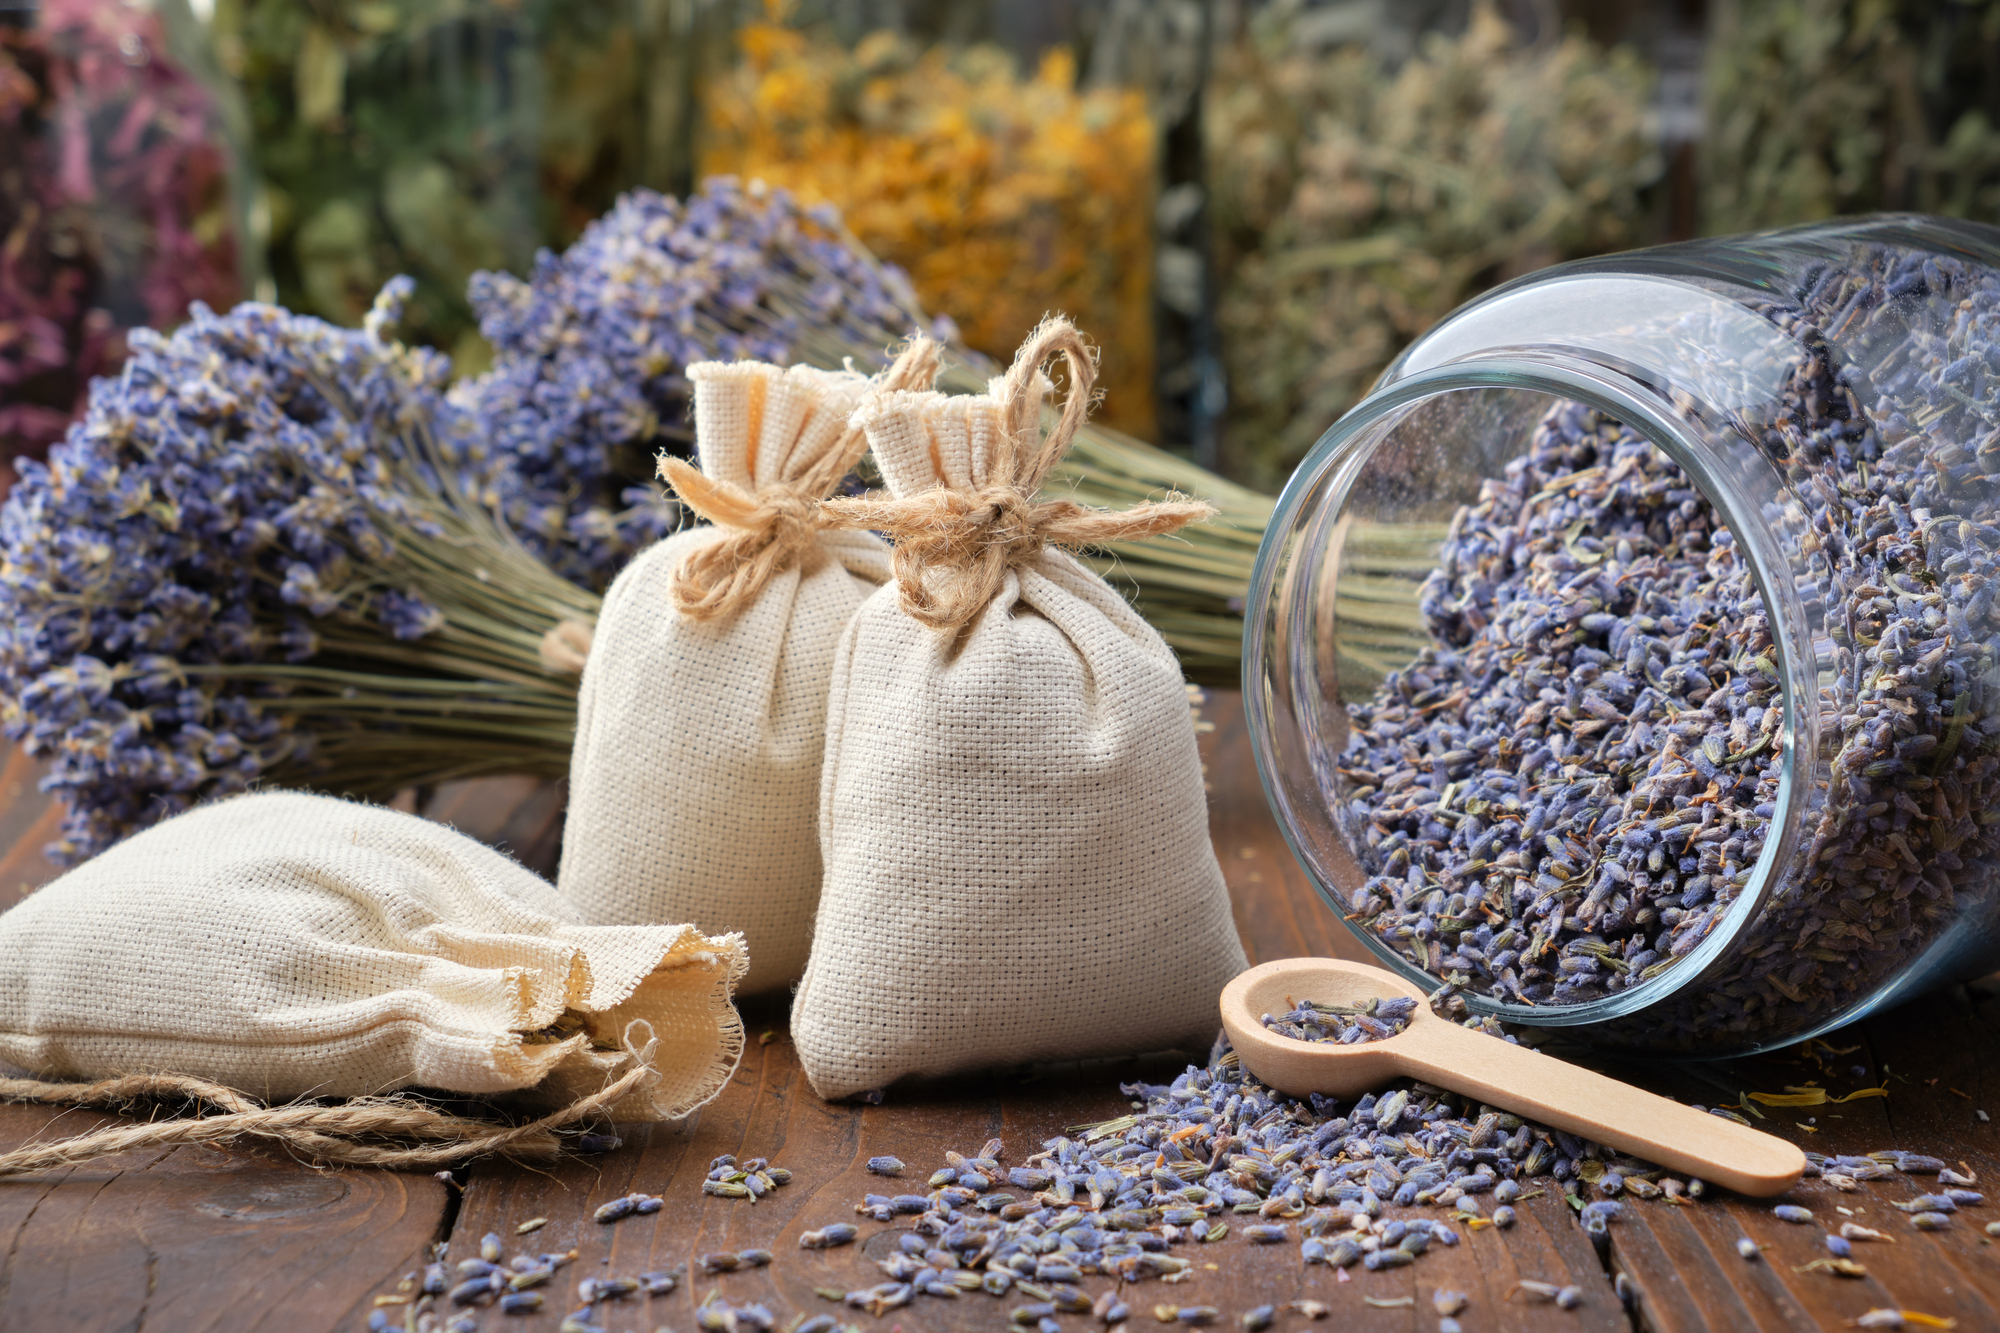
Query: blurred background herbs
x=1359 y=199
x=1004 y=194
x=1252 y=205
x=119 y=199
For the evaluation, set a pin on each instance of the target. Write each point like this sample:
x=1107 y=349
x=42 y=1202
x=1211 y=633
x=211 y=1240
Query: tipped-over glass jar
x=1628 y=656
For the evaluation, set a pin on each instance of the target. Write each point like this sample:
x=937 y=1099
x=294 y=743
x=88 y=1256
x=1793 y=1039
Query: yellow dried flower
x=1004 y=197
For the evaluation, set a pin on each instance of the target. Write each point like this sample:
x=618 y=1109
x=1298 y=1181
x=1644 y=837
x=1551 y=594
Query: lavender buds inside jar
x=1678 y=723
x=1309 y=1020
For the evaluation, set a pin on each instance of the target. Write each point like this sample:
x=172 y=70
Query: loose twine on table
x=954 y=545
x=342 y=1135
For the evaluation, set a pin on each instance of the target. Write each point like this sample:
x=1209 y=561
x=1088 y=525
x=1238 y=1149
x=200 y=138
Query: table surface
x=202 y=1238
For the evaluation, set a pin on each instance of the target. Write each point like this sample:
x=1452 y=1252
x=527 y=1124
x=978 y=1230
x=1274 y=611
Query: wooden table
x=242 y=1239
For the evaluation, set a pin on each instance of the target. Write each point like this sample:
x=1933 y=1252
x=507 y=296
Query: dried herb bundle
x=1357 y=203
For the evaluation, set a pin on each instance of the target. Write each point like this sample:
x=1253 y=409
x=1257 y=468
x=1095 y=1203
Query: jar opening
x=1536 y=688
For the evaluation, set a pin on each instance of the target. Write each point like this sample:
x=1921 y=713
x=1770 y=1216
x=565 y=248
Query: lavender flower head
x=587 y=386
x=237 y=500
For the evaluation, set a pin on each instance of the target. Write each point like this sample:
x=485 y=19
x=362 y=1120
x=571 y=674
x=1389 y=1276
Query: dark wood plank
x=197 y=1238
x=1685 y=1261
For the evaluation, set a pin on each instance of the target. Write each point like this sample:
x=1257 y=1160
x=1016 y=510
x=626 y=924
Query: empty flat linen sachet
x=288 y=945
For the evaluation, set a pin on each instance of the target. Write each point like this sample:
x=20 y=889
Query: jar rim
x=1347 y=444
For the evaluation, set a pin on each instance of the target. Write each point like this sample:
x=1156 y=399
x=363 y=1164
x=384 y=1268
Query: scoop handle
x=1591 y=1106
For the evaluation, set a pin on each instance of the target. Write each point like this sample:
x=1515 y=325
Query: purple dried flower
x=214 y=579
x=586 y=385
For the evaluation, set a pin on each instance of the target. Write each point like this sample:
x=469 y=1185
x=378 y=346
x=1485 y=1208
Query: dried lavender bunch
x=587 y=385
x=1562 y=795
x=1595 y=634
x=1343 y=1024
x=260 y=556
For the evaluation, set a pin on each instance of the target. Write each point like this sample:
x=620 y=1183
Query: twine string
x=954 y=546
x=778 y=526
x=362 y=1132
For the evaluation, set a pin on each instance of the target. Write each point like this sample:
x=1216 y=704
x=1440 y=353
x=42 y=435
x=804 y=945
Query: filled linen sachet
x=695 y=777
x=1016 y=837
x=288 y=945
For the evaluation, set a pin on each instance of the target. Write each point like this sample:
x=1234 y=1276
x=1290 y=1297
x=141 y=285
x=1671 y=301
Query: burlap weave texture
x=695 y=778
x=1016 y=839
x=292 y=945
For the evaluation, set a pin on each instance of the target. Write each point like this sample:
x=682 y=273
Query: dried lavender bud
x=886 y=1166
x=1930 y=1221
x=839 y=1233
x=1747 y=1248
x=1569 y=1297
x=1503 y=1217
x=521 y=1302
x=1343 y=1024
x=1838 y=1247
x=616 y=1210
x=1447 y=1302
x=1791 y=1212
x=1928 y=1203
x=1259 y=1318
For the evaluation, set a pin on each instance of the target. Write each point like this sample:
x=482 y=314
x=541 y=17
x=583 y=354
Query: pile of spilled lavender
x=1213 y=1153
x=1345 y=1025
x=1216 y=1151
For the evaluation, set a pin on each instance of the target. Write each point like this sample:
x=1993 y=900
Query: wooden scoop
x=1537 y=1086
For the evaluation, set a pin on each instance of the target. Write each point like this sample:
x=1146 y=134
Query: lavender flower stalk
x=266 y=553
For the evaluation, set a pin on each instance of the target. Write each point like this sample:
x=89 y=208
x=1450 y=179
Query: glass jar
x=1630 y=650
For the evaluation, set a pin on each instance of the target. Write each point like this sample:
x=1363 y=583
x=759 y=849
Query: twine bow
x=777 y=527
x=954 y=546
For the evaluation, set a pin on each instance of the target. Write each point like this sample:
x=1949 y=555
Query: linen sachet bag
x=1012 y=817
x=695 y=778
x=288 y=945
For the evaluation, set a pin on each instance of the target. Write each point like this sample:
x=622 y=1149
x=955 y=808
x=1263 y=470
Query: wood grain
x=198 y=1238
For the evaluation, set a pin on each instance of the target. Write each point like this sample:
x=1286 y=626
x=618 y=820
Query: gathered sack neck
x=965 y=473
x=772 y=444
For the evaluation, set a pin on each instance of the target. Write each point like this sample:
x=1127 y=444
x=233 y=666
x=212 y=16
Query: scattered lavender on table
x=1310 y=1020
x=631 y=1205
x=1560 y=797
x=750 y=1179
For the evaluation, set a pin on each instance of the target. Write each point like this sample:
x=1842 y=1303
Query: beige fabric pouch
x=702 y=714
x=291 y=945
x=1011 y=811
